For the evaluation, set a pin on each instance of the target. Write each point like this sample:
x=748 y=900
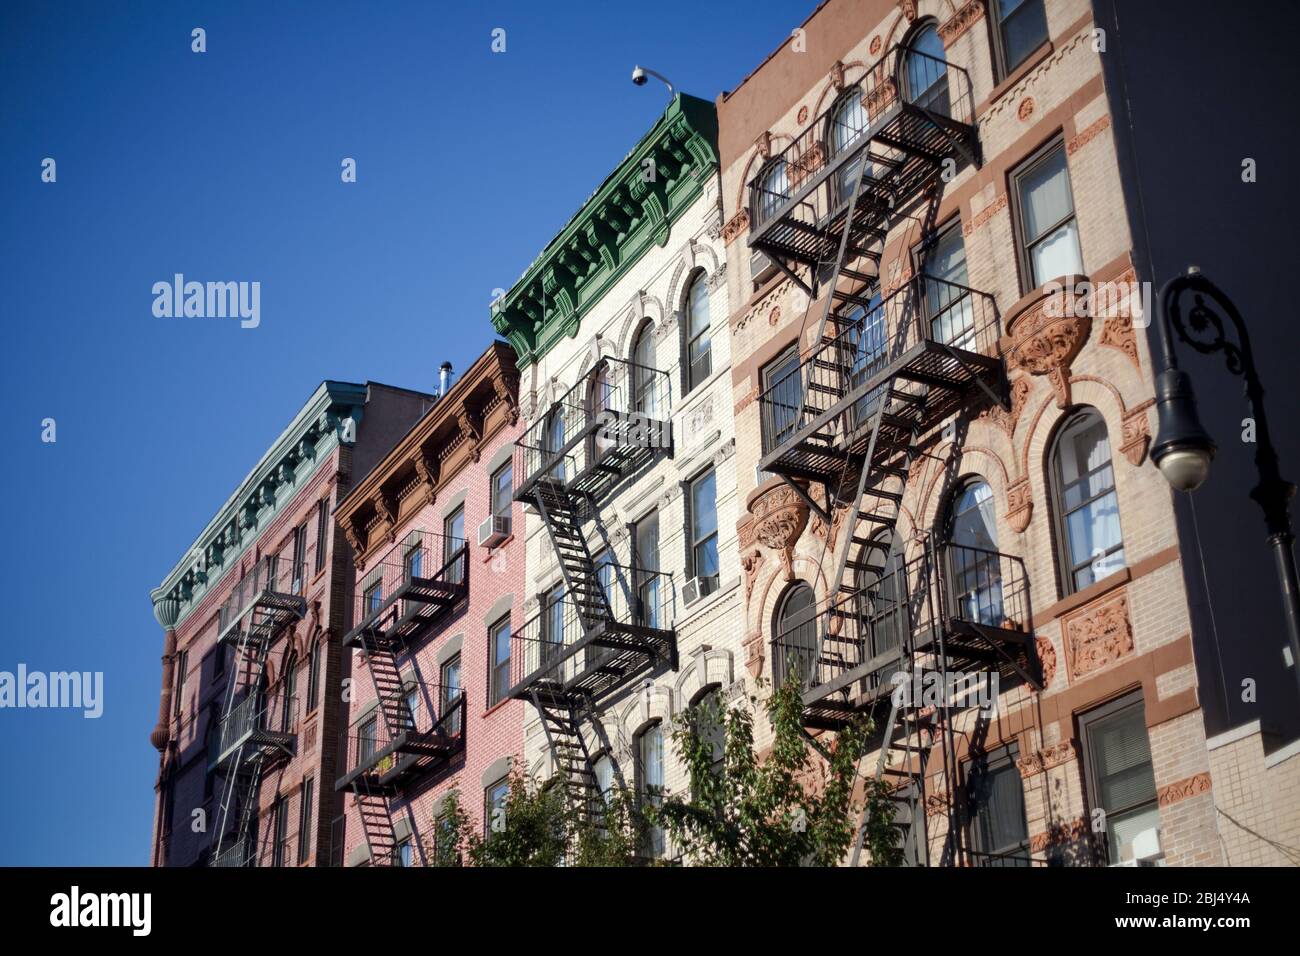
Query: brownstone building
x=944 y=404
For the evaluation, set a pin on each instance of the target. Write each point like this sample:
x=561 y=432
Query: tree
x=783 y=811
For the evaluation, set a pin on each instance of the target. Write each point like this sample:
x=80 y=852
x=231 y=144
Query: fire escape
x=606 y=624
x=417 y=727
x=256 y=731
x=887 y=365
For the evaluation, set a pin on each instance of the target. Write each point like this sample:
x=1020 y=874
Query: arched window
x=599 y=403
x=974 y=565
x=699 y=356
x=650 y=781
x=794 y=649
x=288 y=697
x=708 y=719
x=925 y=74
x=1087 y=509
x=644 y=399
x=772 y=192
x=554 y=443
x=848 y=126
x=882 y=592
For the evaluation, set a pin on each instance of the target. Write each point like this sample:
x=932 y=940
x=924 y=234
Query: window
x=299 y=557
x=1019 y=28
x=603 y=563
x=795 y=647
x=411 y=702
x=1086 y=505
x=645 y=542
x=313 y=676
x=403 y=853
x=948 y=303
x=290 y=693
x=603 y=771
x=553 y=445
x=708 y=717
x=771 y=193
x=704 y=532
x=1049 y=235
x=1117 y=759
x=503 y=490
x=280 y=849
x=304 y=819
x=322 y=533
x=499 y=661
x=453 y=545
x=372 y=598
x=999 y=833
x=367 y=739
x=413 y=561
x=973 y=560
x=884 y=597
x=866 y=335
x=644 y=399
x=218 y=661
x=182 y=665
x=451 y=691
x=699 y=360
x=495 y=798
x=848 y=127
x=782 y=398
x=650 y=776
x=446 y=843
x=925 y=76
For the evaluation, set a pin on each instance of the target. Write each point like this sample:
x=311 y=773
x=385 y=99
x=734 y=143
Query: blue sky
x=225 y=166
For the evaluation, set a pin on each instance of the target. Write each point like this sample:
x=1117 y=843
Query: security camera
x=638 y=76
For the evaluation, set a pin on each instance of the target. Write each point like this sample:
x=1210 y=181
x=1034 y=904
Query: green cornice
x=329 y=418
x=625 y=217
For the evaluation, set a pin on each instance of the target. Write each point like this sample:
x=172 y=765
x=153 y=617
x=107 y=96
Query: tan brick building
x=942 y=435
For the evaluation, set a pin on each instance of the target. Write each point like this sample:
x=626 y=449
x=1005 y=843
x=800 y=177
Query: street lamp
x=1183 y=450
x=639 y=74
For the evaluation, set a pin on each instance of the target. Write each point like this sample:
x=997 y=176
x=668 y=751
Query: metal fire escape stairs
x=251 y=633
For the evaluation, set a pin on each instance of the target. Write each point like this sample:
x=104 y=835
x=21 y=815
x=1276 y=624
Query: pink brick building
x=439 y=592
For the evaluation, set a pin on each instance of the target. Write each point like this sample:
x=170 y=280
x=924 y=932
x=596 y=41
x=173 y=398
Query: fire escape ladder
x=387 y=682
x=569 y=754
x=250 y=658
x=376 y=822
x=560 y=515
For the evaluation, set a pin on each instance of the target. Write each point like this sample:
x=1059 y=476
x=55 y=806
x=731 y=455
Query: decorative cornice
x=329 y=418
x=629 y=213
x=961 y=21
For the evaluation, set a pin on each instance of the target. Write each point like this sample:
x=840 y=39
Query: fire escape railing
x=588 y=439
x=867 y=633
x=415 y=580
x=275 y=583
x=267 y=722
x=866 y=346
x=432 y=726
x=554 y=650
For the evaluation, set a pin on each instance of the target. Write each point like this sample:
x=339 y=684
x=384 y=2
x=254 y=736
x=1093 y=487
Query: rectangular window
x=280 y=849
x=645 y=538
x=704 y=532
x=313 y=676
x=553 y=608
x=1117 y=759
x=947 y=299
x=413 y=561
x=503 y=490
x=299 y=558
x=650 y=773
x=494 y=806
x=998 y=830
x=182 y=665
x=367 y=740
x=699 y=354
x=304 y=819
x=782 y=403
x=218 y=661
x=453 y=545
x=322 y=533
x=1048 y=232
x=499 y=660
x=1019 y=28
x=451 y=692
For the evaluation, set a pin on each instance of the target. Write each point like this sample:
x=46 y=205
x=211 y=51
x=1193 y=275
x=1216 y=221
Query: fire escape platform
x=263 y=744
x=595 y=666
x=413 y=606
x=410 y=756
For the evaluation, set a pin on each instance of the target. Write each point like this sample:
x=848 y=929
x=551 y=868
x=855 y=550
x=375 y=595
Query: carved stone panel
x=1098 y=635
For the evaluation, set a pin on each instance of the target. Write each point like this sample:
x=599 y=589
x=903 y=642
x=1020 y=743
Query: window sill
x=1016 y=75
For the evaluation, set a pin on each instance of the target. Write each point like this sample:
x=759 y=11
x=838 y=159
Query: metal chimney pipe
x=444 y=378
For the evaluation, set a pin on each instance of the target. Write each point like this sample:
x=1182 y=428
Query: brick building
x=439 y=552
x=942 y=434
x=626 y=465
x=251 y=671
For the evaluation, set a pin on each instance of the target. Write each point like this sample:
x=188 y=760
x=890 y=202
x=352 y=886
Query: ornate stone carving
x=880 y=97
x=909 y=9
x=961 y=21
x=764 y=144
x=1136 y=435
x=1046 y=335
x=780 y=517
x=1059 y=833
x=837 y=521
x=1046 y=659
x=1098 y=635
x=1031 y=764
x=1020 y=504
x=809 y=161
x=751 y=563
x=1058 y=754
x=1006 y=419
x=984 y=215
x=1117 y=333
x=802 y=116
x=469 y=431
x=735 y=226
x=936 y=803
x=1026 y=109
x=876 y=44
x=1086 y=136
x=1192 y=786
x=754 y=653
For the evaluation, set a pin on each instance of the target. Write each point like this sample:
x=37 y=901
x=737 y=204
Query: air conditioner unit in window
x=494 y=530
x=697 y=588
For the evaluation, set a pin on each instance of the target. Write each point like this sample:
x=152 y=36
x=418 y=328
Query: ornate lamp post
x=1183 y=450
